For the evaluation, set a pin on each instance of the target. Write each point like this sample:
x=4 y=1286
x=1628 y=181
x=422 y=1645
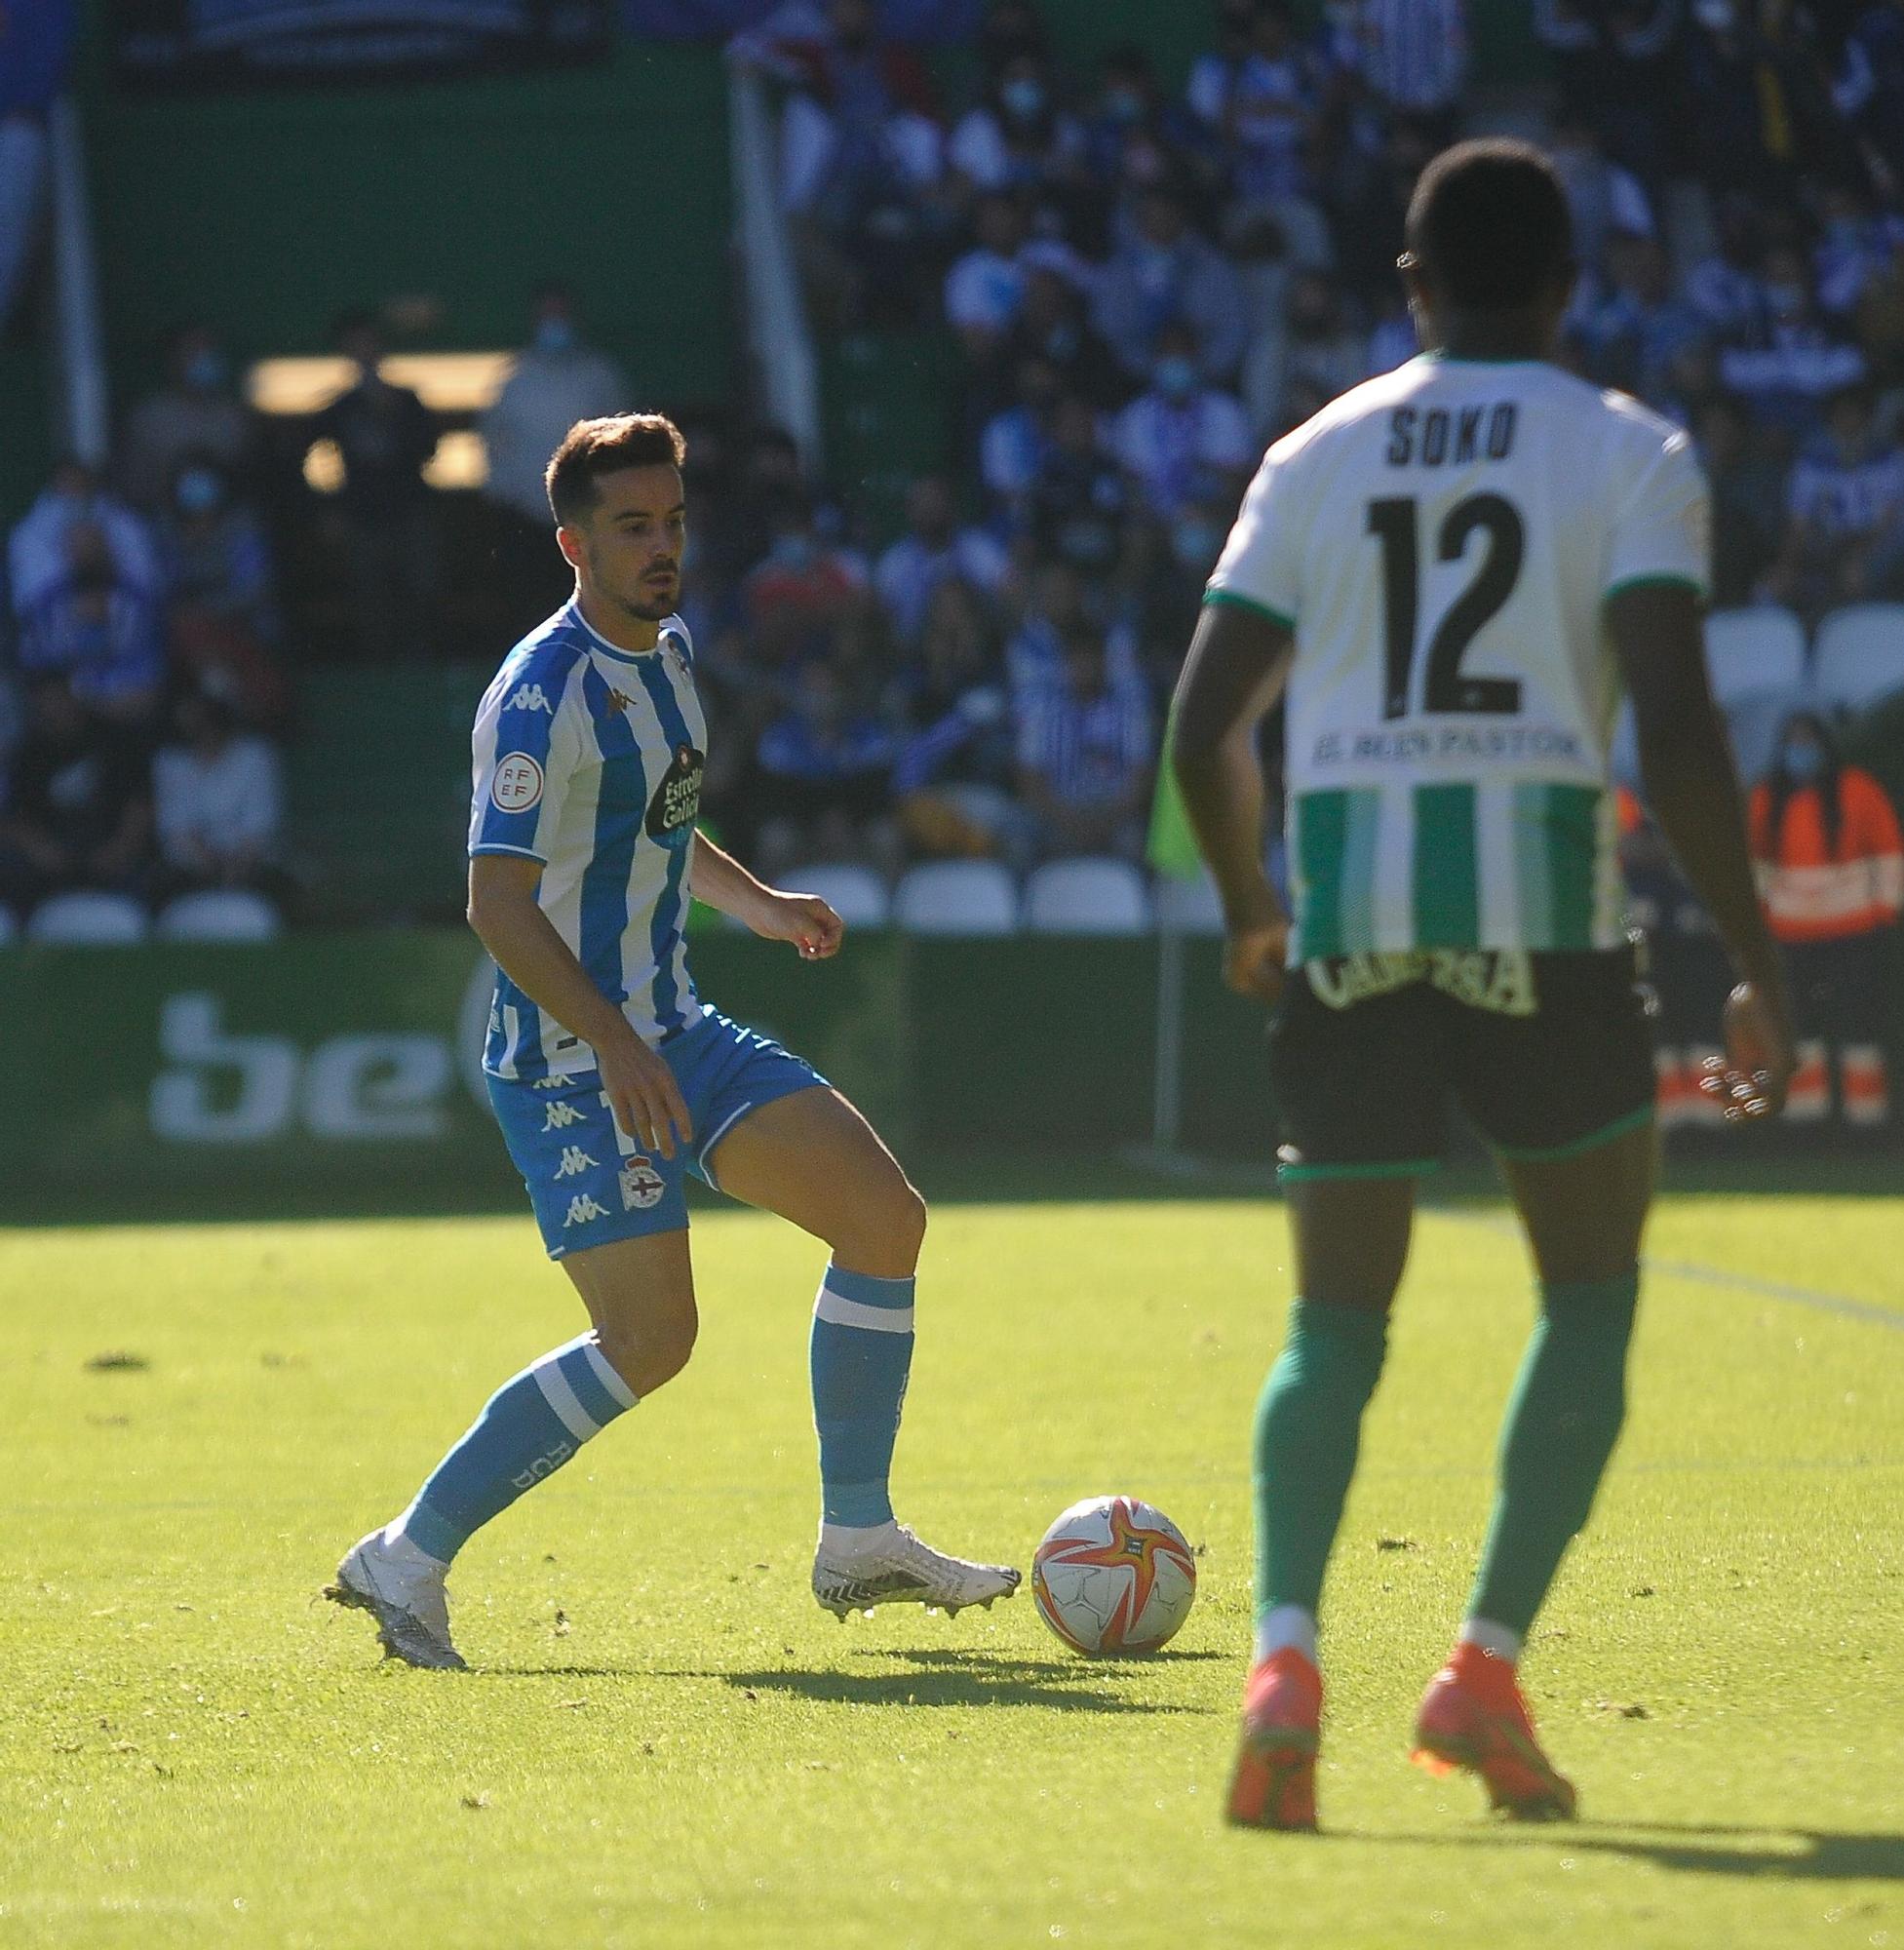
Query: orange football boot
x=1472 y=1716
x=1275 y=1783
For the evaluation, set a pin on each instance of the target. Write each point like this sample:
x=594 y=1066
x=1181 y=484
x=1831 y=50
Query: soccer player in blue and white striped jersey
x=612 y=1080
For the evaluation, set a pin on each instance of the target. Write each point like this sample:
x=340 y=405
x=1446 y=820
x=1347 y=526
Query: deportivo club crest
x=642 y=1186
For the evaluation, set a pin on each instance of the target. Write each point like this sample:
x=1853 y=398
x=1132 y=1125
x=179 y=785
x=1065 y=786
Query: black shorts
x=1548 y=1055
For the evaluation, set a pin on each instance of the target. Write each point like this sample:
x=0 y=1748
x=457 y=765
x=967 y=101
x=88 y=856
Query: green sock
x=1308 y=1425
x=1563 y=1420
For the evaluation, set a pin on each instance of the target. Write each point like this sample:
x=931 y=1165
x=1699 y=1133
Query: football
x=1113 y=1576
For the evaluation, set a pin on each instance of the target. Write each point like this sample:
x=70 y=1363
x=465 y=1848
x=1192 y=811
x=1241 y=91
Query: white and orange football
x=1114 y=1575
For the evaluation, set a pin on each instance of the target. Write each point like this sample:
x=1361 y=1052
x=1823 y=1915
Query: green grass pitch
x=666 y=1742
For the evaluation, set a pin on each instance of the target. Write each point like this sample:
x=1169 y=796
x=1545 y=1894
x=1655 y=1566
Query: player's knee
x=649 y=1352
x=901 y=1220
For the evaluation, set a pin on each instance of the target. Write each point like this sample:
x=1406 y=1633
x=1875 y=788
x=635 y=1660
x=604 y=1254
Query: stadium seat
x=87 y=921
x=1860 y=655
x=956 y=897
x=225 y=914
x=1091 y=896
x=1754 y=650
x=856 y=894
x=1190 y=907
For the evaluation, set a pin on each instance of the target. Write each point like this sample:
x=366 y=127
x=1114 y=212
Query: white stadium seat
x=87 y=921
x=856 y=894
x=1860 y=655
x=1089 y=896
x=219 y=914
x=956 y=897
x=1754 y=650
x=1190 y=907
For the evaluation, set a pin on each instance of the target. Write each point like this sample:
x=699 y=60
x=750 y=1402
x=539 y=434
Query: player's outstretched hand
x=1253 y=960
x=804 y=919
x=644 y=1095
x=1751 y=1078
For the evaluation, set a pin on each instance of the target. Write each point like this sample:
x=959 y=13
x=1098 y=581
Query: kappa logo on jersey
x=574 y=1162
x=620 y=699
x=676 y=801
x=582 y=1209
x=642 y=1186
x=671 y=647
x=560 y=1117
x=517 y=783
x=530 y=697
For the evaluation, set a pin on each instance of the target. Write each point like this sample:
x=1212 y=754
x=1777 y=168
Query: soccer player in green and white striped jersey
x=1453 y=571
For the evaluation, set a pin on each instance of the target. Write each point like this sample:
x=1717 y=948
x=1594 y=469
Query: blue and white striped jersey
x=589 y=760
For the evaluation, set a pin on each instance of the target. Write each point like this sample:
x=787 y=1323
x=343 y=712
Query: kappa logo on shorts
x=559 y=1118
x=530 y=697
x=582 y=1209
x=551 y=1082
x=517 y=783
x=574 y=1162
x=642 y=1186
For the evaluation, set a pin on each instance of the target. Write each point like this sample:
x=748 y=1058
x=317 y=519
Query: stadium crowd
x=1147 y=282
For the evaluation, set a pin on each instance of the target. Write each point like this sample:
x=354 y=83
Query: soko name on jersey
x=1457 y=433
x=676 y=801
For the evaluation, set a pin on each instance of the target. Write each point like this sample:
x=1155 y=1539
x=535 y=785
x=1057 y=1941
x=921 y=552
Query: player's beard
x=648 y=606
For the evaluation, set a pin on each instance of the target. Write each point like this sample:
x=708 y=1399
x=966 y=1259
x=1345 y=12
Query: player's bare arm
x=804 y=919
x=1692 y=789
x=646 y=1099
x=1238 y=660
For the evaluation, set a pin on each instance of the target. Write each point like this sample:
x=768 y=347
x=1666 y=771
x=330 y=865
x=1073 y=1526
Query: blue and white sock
x=862 y=1354
x=529 y=1428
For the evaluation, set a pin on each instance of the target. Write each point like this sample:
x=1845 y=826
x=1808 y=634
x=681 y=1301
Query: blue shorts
x=589 y=1182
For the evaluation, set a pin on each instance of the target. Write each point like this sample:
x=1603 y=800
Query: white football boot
x=894 y=1567
x=402 y=1589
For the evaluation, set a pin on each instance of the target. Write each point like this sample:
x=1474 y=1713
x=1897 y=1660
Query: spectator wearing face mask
x=38 y=551
x=1844 y=535
x=1018 y=139
x=1164 y=273
x=222 y=609
x=1830 y=861
x=556 y=379
x=196 y=412
x=99 y=632
x=1182 y=435
x=797 y=595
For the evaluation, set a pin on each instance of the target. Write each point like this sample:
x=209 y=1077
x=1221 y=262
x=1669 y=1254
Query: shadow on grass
x=1782 y=1855
x=958 y=1679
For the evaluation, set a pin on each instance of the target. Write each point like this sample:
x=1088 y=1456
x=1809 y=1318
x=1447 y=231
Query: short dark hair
x=591 y=449
x=1488 y=224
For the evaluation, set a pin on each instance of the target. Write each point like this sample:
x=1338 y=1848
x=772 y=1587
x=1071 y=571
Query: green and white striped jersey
x=1442 y=542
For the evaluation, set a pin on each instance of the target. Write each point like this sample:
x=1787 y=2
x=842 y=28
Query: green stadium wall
x=337 y=1071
